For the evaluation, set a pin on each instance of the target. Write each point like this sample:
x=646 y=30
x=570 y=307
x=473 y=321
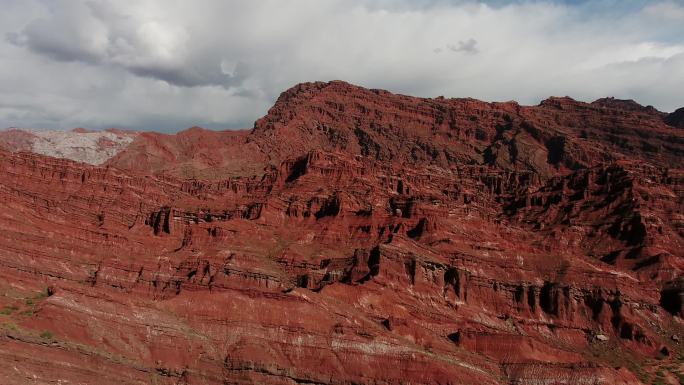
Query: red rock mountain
x=354 y=236
x=194 y=153
x=676 y=119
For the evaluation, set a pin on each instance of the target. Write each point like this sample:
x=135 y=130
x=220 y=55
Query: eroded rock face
x=556 y=137
x=382 y=239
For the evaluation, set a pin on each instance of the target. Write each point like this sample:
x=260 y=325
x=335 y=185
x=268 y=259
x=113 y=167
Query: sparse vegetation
x=46 y=335
x=41 y=294
x=8 y=310
x=659 y=378
x=643 y=377
x=10 y=326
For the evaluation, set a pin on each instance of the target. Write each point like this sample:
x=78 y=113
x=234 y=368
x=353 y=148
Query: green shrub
x=47 y=335
x=11 y=326
x=8 y=310
x=41 y=294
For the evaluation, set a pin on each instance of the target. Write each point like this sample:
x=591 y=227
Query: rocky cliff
x=355 y=237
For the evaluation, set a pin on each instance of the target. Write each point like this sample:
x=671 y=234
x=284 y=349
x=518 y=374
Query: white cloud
x=666 y=10
x=171 y=64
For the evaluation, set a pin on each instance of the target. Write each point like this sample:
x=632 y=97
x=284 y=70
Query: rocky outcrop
x=624 y=214
x=366 y=238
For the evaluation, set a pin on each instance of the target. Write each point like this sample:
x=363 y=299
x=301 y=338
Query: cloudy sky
x=167 y=65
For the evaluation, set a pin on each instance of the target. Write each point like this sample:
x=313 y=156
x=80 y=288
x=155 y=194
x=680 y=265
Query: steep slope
x=193 y=153
x=354 y=236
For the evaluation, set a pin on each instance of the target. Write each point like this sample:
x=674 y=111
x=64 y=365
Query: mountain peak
x=623 y=104
x=676 y=119
x=193 y=130
x=560 y=102
x=81 y=130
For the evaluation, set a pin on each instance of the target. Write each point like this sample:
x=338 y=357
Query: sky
x=168 y=65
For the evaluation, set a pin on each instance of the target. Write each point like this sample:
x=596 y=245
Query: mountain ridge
x=261 y=126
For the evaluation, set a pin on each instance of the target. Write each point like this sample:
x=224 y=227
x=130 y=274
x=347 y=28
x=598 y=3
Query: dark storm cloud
x=193 y=77
x=52 y=49
x=63 y=36
x=164 y=65
x=97 y=34
x=469 y=46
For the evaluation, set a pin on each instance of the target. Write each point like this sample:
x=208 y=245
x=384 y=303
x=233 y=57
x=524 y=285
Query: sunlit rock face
x=353 y=236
